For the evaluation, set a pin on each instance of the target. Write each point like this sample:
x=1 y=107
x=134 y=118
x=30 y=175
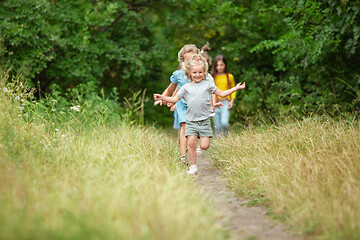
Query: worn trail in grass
x=243 y=222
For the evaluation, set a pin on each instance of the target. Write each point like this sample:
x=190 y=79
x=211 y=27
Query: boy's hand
x=173 y=108
x=218 y=104
x=240 y=86
x=158 y=102
x=157 y=97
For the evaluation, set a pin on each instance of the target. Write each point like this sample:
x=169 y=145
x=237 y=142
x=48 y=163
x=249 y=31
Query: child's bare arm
x=215 y=102
x=226 y=93
x=167 y=92
x=170 y=89
x=158 y=97
x=173 y=95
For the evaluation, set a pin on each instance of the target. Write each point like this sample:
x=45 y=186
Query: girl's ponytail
x=205 y=53
x=206 y=48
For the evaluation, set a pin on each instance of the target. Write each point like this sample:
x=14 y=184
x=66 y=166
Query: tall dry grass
x=118 y=182
x=307 y=172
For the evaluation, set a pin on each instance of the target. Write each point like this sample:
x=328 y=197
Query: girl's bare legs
x=183 y=140
x=204 y=143
x=192 y=140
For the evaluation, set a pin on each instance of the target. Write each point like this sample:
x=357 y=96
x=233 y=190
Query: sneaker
x=192 y=170
x=183 y=159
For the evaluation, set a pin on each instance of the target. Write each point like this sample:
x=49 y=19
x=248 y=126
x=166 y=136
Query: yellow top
x=221 y=82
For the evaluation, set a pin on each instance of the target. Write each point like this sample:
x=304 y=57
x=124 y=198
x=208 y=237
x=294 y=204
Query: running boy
x=197 y=95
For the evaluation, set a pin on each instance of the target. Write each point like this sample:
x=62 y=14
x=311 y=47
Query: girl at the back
x=224 y=81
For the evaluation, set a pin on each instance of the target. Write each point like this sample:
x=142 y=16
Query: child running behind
x=179 y=79
x=197 y=95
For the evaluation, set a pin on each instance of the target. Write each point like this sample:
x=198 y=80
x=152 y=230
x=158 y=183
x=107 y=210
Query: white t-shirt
x=198 y=99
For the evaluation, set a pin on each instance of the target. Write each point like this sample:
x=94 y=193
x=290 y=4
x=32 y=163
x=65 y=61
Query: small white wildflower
x=56 y=130
x=17 y=98
x=5 y=89
x=75 y=108
x=34 y=181
x=63 y=136
x=21 y=108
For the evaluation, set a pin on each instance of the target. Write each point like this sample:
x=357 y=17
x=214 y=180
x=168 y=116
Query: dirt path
x=244 y=223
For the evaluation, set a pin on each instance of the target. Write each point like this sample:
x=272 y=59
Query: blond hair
x=197 y=59
x=189 y=48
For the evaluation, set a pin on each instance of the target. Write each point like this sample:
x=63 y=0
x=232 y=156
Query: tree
x=71 y=42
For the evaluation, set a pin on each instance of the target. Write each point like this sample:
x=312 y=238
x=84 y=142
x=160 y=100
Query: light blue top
x=179 y=77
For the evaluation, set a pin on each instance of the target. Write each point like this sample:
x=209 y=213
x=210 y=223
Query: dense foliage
x=297 y=57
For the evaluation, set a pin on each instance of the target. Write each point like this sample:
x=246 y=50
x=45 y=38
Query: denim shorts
x=199 y=128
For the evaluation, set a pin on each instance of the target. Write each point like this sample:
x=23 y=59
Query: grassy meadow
x=81 y=169
x=69 y=175
x=307 y=172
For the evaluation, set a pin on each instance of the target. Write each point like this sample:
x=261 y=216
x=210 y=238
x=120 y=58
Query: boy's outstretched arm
x=166 y=98
x=167 y=92
x=226 y=93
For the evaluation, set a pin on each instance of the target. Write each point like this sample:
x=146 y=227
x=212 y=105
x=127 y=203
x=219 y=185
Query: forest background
x=298 y=58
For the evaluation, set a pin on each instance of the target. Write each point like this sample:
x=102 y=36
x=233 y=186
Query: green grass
x=60 y=179
x=307 y=172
